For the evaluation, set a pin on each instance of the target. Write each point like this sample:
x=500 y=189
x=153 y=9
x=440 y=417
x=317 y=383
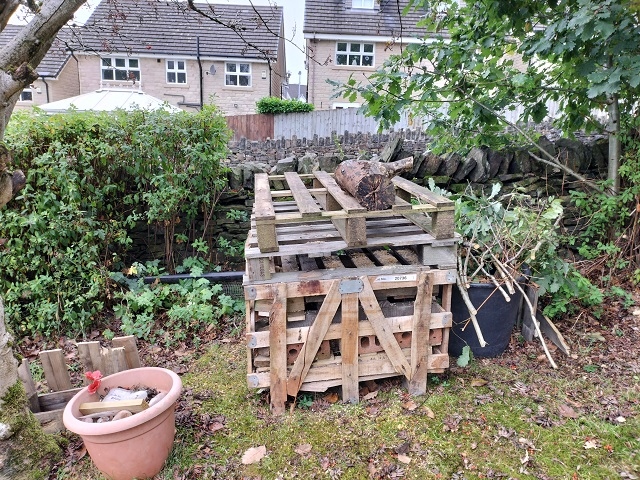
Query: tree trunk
x=615 y=146
x=370 y=182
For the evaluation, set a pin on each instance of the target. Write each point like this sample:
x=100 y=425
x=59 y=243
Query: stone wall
x=480 y=167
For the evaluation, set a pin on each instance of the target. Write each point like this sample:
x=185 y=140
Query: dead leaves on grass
x=254 y=455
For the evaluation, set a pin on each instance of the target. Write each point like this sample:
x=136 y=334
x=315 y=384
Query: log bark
x=370 y=182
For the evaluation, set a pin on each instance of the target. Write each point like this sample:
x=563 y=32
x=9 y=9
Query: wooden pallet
x=322 y=199
x=48 y=407
x=324 y=328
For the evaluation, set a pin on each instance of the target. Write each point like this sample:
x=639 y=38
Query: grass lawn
x=511 y=417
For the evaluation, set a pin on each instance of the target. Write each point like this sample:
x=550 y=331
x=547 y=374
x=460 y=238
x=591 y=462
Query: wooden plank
x=278 y=351
x=51 y=422
x=130 y=350
x=114 y=360
x=442 y=224
x=258 y=268
x=315 y=335
x=422 y=193
x=368 y=364
x=56 y=400
x=371 y=308
x=29 y=385
x=305 y=202
x=55 y=369
x=349 y=348
x=134 y=406
x=549 y=329
x=420 y=336
x=528 y=327
x=90 y=354
x=396 y=324
x=264 y=214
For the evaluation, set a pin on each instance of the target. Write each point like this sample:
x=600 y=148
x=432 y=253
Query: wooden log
x=370 y=182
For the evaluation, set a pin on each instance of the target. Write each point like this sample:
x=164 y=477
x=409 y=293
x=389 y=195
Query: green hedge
x=90 y=178
x=277 y=105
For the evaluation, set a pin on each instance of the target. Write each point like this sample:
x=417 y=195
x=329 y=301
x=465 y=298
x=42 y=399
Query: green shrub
x=276 y=105
x=90 y=178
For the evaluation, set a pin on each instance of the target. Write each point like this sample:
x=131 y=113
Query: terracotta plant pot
x=137 y=446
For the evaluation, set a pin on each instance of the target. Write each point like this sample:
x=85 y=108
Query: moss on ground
x=29 y=452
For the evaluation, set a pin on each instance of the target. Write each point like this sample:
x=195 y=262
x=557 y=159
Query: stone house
x=178 y=55
x=58 y=72
x=345 y=37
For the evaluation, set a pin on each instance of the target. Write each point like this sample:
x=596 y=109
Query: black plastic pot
x=496 y=318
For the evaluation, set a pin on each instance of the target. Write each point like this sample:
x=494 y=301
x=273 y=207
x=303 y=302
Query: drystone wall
x=481 y=167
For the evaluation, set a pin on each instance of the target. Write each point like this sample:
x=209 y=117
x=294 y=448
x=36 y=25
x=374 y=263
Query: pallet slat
x=55 y=369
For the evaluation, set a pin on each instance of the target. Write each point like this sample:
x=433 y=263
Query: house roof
x=338 y=18
x=170 y=28
x=55 y=59
x=108 y=99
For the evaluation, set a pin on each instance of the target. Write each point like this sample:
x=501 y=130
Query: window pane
x=368 y=47
x=136 y=73
x=231 y=67
x=26 y=96
x=232 y=80
x=171 y=77
x=342 y=47
x=182 y=77
x=245 y=67
x=180 y=65
x=106 y=62
x=354 y=60
x=341 y=59
x=133 y=63
x=355 y=47
x=107 y=74
x=121 y=75
x=244 y=80
x=120 y=62
x=367 y=61
x=170 y=65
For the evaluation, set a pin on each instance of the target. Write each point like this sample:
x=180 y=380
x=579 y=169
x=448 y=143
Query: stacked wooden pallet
x=337 y=294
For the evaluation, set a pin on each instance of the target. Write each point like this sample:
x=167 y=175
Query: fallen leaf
x=371 y=395
x=254 y=455
x=331 y=398
x=404 y=459
x=303 y=449
x=410 y=405
x=478 y=382
x=567 y=411
x=428 y=412
x=215 y=426
x=589 y=444
x=621 y=419
x=593 y=336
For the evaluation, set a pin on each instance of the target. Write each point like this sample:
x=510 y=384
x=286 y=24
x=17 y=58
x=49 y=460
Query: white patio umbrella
x=107 y=99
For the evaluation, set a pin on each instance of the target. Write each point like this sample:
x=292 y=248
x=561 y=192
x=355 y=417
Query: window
x=362 y=4
x=26 y=95
x=360 y=54
x=341 y=106
x=176 y=71
x=238 y=74
x=121 y=69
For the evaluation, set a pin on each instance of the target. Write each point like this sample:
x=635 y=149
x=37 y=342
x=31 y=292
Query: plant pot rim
x=71 y=411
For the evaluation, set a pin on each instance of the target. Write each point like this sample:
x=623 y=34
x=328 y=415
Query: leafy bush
x=277 y=105
x=169 y=313
x=90 y=178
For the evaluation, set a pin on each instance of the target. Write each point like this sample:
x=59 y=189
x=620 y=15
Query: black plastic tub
x=496 y=318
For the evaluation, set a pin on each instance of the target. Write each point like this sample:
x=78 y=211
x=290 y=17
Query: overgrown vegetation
x=91 y=177
x=276 y=105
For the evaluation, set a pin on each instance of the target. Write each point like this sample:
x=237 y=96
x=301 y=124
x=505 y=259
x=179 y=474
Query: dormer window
x=366 y=4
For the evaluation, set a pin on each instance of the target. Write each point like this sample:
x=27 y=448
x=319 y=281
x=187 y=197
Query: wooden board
x=55 y=369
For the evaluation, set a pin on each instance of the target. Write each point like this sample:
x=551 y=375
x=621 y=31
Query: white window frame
x=341 y=106
x=123 y=67
x=358 y=54
x=238 y=74
x=176 y=68
x=363 y=4
x=30 y=92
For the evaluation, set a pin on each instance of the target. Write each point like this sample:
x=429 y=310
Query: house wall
x=231 y=100
x=65 y=86
x=322 y=67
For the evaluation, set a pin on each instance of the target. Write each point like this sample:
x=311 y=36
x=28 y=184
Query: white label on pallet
x=397 y=278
